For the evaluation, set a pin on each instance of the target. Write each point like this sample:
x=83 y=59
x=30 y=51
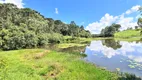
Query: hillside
x=27 y=28
x=128 y=34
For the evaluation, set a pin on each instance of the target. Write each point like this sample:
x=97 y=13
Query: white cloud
x=56 y=11
x=96 y=27
x=108 y=19
x=127 y=22
x=126 y=50
x=133 y=9
x=19 y=3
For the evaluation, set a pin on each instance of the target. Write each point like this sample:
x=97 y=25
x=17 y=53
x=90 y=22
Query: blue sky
x=84 y=12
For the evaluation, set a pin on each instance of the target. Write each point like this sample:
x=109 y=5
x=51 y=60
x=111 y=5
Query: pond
x=112 y=55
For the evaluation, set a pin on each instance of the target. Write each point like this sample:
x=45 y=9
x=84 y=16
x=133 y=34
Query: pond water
x=111 y=54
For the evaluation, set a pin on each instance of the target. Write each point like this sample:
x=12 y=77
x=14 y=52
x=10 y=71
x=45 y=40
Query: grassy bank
x=40 y=64
x=85 y=41
x=127 y=34
x=137 y=39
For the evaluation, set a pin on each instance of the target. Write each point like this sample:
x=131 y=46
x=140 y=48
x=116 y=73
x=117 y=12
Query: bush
x=55 y=38
x=42 y=39
x=31 y=39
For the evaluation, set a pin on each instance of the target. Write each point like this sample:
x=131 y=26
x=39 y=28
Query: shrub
x=42 y=39
x=55 y=38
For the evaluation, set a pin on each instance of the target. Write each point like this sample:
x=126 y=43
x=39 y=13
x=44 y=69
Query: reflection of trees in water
x=68 y=49
x=111 y=43
x=127 y=76
x=141 y=39
x=74 y=49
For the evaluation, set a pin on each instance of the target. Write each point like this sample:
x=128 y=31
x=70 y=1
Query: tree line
x=27 y=28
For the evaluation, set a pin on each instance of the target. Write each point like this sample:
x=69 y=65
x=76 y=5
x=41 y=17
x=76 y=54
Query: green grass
x=130 y=39
x=127 y=34
x=40 y=64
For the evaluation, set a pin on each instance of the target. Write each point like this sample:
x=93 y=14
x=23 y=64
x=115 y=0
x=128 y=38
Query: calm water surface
x=111 y=54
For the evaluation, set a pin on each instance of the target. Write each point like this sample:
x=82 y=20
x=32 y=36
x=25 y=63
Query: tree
x=73 y=29
x=136 y=27
x=82 y=27
x=139 y=22
x=73 y=23
x=110 y=30
x=140 y=9
x=51 y=24
x=103 y=33
x=64 y=29
x=58 y=26
x=116 y=26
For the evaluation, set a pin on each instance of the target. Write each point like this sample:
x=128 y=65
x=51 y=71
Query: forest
x=27 y=28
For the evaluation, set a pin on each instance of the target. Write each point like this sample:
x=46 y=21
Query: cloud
x=126 y=50
x=96 y=27
x=56 y=11
x=107 y=51
x=19 y=3
x=133 y=9
x=125 y=22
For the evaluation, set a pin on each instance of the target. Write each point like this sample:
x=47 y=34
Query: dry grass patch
x=39 y=55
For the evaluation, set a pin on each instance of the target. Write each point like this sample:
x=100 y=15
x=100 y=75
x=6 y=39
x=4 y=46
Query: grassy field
x=128 y=34
x=41 y=64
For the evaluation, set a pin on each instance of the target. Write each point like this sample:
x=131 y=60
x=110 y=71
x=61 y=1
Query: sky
x=93 y=14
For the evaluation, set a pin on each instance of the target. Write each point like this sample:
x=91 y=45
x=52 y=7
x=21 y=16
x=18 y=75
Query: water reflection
x=72 y=49
x=112 y=43
x=116 y=54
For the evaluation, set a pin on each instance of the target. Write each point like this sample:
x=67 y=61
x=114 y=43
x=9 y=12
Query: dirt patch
x=41 y=54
